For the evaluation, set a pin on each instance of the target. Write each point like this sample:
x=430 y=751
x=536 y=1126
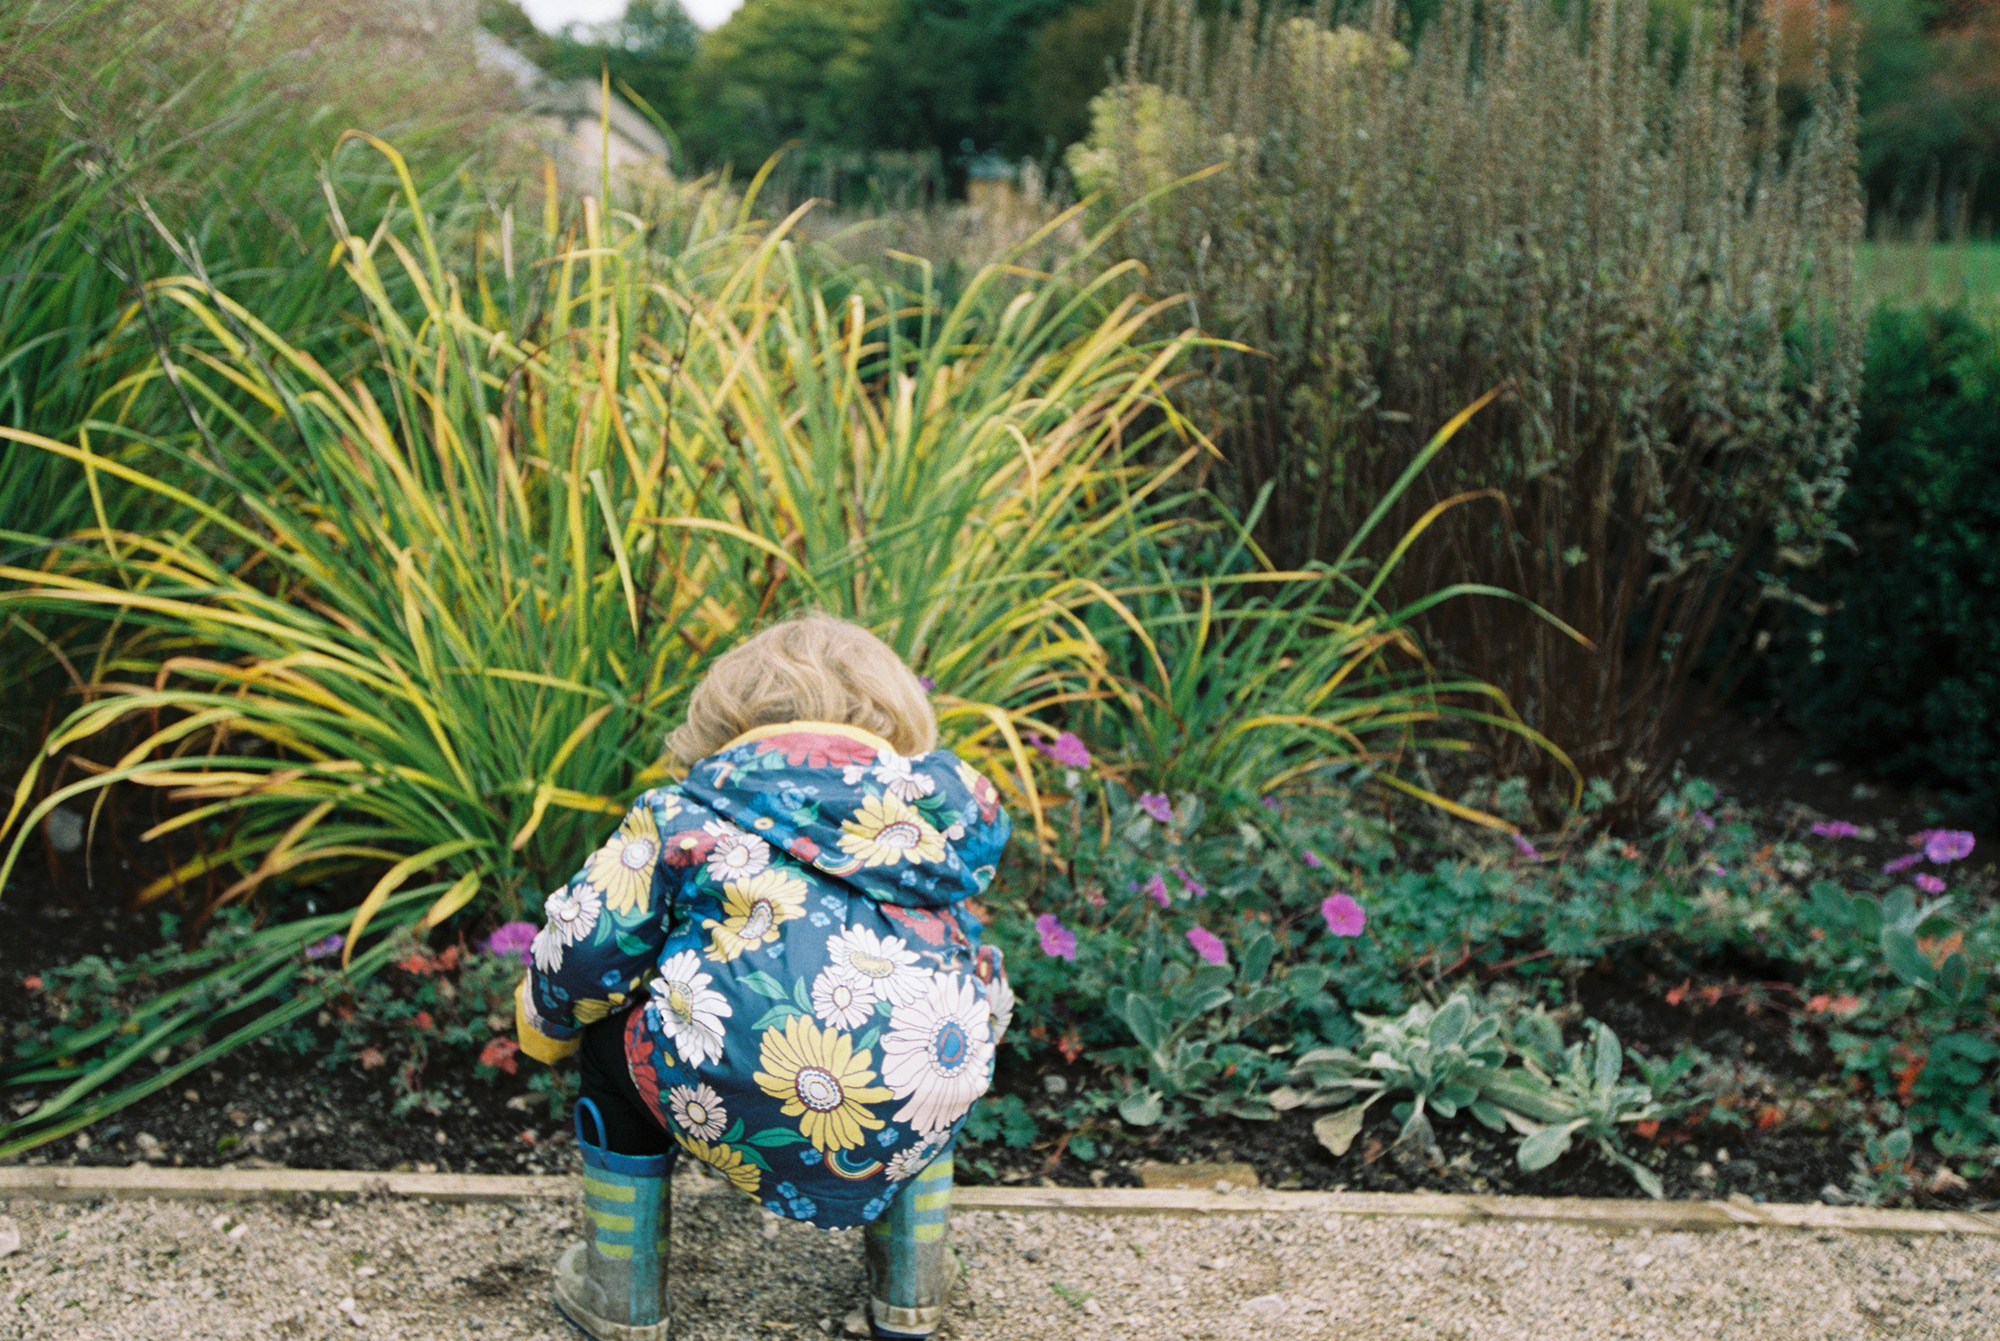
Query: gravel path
x=135 y=1271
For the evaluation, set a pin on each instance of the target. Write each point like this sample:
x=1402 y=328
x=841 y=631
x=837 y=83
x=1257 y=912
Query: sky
x=551 y=15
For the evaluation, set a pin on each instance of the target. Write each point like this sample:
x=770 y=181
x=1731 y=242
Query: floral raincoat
x=819 y=1015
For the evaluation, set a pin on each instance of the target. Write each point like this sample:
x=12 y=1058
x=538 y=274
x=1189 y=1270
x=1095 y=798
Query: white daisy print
x=1000 y=1005
x=547 y=948
x=888 y=966
x=937 y=1053
x=842 y=999
x=901 y=780
x=698 y=1111
x=737 y=855
x=910 y=1161
x=572 y=911
x=690 y=1012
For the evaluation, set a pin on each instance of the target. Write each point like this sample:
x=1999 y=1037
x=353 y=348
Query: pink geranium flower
x=1311 y=858
x=1929 y=883
x=1058 y=941
x=1526 y=848
x=1946 y=845
x=1066 y=750
x=510 y=940
x=1193 y=886
x=1208 y=945
x=1344 y=917
x=1901 y=863
x=1157 y=805
x=1156 y=890
x=1834 y=829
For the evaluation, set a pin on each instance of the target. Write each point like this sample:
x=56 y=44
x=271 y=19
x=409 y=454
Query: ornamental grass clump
x=1615 y=222
x=413 y=633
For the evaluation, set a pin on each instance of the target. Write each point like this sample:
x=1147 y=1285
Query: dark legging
x=629 y=1128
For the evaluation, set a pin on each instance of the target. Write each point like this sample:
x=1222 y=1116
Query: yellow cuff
x=533 y=1041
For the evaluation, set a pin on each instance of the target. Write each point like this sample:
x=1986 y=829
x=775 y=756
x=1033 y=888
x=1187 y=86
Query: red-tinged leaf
x=371 y=1058
x=1070 y=1046
x=1678 y=994
x=499 y=1053
x=448 y=960
x=526 y=1138
x=1649 y=1129
x=1769 y=1116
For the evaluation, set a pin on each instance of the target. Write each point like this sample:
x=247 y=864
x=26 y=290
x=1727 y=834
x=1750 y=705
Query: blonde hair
x=810 y=668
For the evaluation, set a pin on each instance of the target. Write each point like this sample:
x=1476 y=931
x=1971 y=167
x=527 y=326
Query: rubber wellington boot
x=910 y=1267
x=614 y=1288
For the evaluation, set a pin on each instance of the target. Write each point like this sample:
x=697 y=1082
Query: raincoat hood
x=927 y=832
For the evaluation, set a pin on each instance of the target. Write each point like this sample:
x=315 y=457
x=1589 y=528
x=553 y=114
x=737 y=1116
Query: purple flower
x=1311 y=858
x=1526 y=848
x=1193 y=886
x=1717 y=869
x=1901 y=863
x=1946 y=845
x=1156 y=890
x=1834 y=829
x=930 y=685
x=1207 y=945
x=1057 y=940
x=1066 y=750
x=1929 y=883
x=1157 y=805
x=1344 y=917
x=511 y=940
x=1704 y=819
x=1271 y=803
x=330 y=946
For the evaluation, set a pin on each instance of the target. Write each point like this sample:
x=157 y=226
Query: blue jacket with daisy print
x=817 y=1013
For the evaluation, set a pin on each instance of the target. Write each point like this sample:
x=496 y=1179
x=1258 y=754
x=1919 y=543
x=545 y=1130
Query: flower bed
x=1732 y=1003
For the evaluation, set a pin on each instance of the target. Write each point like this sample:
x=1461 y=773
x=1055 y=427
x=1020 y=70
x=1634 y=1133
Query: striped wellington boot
x=613 y=1288
x=910 y=1267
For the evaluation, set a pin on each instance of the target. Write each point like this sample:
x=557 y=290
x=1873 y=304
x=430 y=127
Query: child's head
x=810 y=668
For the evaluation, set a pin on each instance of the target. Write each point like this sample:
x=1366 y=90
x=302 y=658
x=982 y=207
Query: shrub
x=1617 y=229
x=1900 y=673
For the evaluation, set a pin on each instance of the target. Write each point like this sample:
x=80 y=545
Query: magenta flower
x=1344 y=917
x=1058 y=941
x=1193 y=886
x=1946 y=845
x=1207 y=945
x=330 y=946
x=1066 y=750
x=1526 y=848
x=1717 y=869
x=1156 y=890
x=1271 y=803
x=929 y=685
x=1703 y=818
x=1311 y=858
x=510 y=940
x=1929 y=883
x=1834 y=829
x=1157 y=805
x=1901 y=863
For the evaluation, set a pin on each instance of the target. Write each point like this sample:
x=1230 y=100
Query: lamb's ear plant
x=1444 y=1057
x=1585 y=1084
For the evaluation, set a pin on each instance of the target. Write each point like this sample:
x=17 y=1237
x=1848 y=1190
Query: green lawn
x=1944 y=272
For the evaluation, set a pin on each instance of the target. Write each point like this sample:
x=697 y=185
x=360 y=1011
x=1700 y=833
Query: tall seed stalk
x=1620 y=227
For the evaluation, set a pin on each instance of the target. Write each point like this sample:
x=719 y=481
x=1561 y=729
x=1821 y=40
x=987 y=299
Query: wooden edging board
x=80 y=1183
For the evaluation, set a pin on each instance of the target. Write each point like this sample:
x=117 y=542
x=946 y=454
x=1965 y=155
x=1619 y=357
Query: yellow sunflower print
x=887 y=830
x=726 y=1160
x=752 y=912
x=822 y=1080
x=590 y=1010
x=623 y=867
